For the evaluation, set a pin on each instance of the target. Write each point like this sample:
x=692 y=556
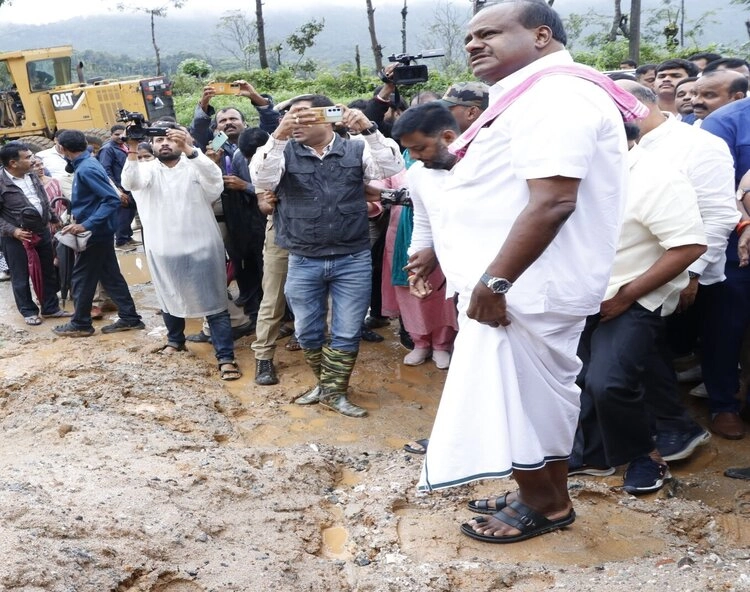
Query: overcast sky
x=48 y=11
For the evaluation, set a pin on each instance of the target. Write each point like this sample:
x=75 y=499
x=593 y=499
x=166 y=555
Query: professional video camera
x=139 y=129
x=396 y=197
x=406 y=73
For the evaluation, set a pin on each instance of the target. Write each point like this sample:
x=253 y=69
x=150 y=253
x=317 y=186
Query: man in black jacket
x=25 y=216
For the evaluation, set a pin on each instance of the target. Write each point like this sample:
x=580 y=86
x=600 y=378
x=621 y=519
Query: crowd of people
x=559 y=241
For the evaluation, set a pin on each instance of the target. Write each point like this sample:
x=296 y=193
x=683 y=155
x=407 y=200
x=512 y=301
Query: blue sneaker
x=645 y=475
x=680 y=445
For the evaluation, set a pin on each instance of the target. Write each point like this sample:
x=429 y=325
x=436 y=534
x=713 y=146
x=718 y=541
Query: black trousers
x=614 y=425
x=98 y=263
x=18 y=263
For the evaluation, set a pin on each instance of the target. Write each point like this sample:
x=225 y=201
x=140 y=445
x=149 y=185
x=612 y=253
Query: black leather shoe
x=371 y=336
x=199 y=338
x=265 y=373
x=243 y=330
x=376 y=322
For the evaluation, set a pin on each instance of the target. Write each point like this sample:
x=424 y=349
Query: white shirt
x=380 y=159
x=27 y=186
x=661 y=213
x=707 y=163
x=562 y=126
x=184 y=248
x=425 y=189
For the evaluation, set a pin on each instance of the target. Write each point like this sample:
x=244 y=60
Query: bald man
x=716 y=89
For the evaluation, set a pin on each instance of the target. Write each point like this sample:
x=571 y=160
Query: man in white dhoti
x=183 y=244
x=527 y=234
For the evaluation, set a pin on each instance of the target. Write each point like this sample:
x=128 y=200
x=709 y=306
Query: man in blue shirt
x=95 y=203
x=727 y=315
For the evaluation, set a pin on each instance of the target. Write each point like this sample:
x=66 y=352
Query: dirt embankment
x=124 y=470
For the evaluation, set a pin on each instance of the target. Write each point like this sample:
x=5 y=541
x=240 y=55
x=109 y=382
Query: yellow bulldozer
x=38 y=96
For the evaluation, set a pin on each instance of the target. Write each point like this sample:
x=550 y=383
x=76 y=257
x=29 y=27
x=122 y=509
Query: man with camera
x=112 y=156
x=183 y=244
x=321 y=219
x=241 y=222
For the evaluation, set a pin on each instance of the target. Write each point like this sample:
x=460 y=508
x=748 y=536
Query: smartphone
x=327 y=114
x=226 y=88
x=219 y=140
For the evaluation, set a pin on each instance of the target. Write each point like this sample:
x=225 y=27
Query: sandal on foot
x=231 y=373
x=418 y=447
x=171 y=348
x=32 y=320
x=293 y=344
x=530 y=522
x=482 y=506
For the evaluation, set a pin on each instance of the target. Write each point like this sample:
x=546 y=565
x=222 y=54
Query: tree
x=160 y=11
x=404 y=12
x=237 y=35
x=260 y=24
x=377 y=49
x=195 y=68
x=304 y=38
x=447 y=32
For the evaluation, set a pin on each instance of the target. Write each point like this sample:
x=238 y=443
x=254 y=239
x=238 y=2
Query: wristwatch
x=693 y=276
x=496 y=284
x=193 y=155
x=370 y=130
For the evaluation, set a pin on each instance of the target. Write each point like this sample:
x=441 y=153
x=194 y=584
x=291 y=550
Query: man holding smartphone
x=321 y=219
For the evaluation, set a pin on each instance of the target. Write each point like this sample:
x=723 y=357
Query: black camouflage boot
x=335 y=371
x=314 y=359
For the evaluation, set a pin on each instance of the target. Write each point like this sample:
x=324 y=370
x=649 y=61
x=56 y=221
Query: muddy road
x=125 y=470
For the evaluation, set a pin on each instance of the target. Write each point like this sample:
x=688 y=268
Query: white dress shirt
x=707 y=163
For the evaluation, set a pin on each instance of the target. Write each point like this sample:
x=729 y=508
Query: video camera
x=396 y=197
x=406 y=73
x=139 y=129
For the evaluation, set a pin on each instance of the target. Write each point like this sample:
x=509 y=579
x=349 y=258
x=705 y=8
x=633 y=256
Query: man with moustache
x=527 y=269
x=668 y=74
x=715 y=89
x=321 y=219
x=183 y=244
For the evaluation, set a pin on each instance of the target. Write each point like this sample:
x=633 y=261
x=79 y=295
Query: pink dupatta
x=630 y=107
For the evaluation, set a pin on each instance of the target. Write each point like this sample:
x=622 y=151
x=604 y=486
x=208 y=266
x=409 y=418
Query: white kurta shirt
x=183 y=244
x=707 y=163
x=661 y=213
x=562 y=126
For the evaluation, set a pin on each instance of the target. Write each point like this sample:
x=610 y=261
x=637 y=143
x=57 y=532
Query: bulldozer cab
x=38 y=96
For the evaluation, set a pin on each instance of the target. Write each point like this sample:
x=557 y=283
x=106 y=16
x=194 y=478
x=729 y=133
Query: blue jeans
x=98 y=263
x=221 y=333
x=310 y=281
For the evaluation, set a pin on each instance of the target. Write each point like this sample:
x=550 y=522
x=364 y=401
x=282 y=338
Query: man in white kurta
x=183 y=244
x=527 y=235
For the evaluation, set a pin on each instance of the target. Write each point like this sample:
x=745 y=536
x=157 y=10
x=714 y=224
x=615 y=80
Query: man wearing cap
x=466 y=101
